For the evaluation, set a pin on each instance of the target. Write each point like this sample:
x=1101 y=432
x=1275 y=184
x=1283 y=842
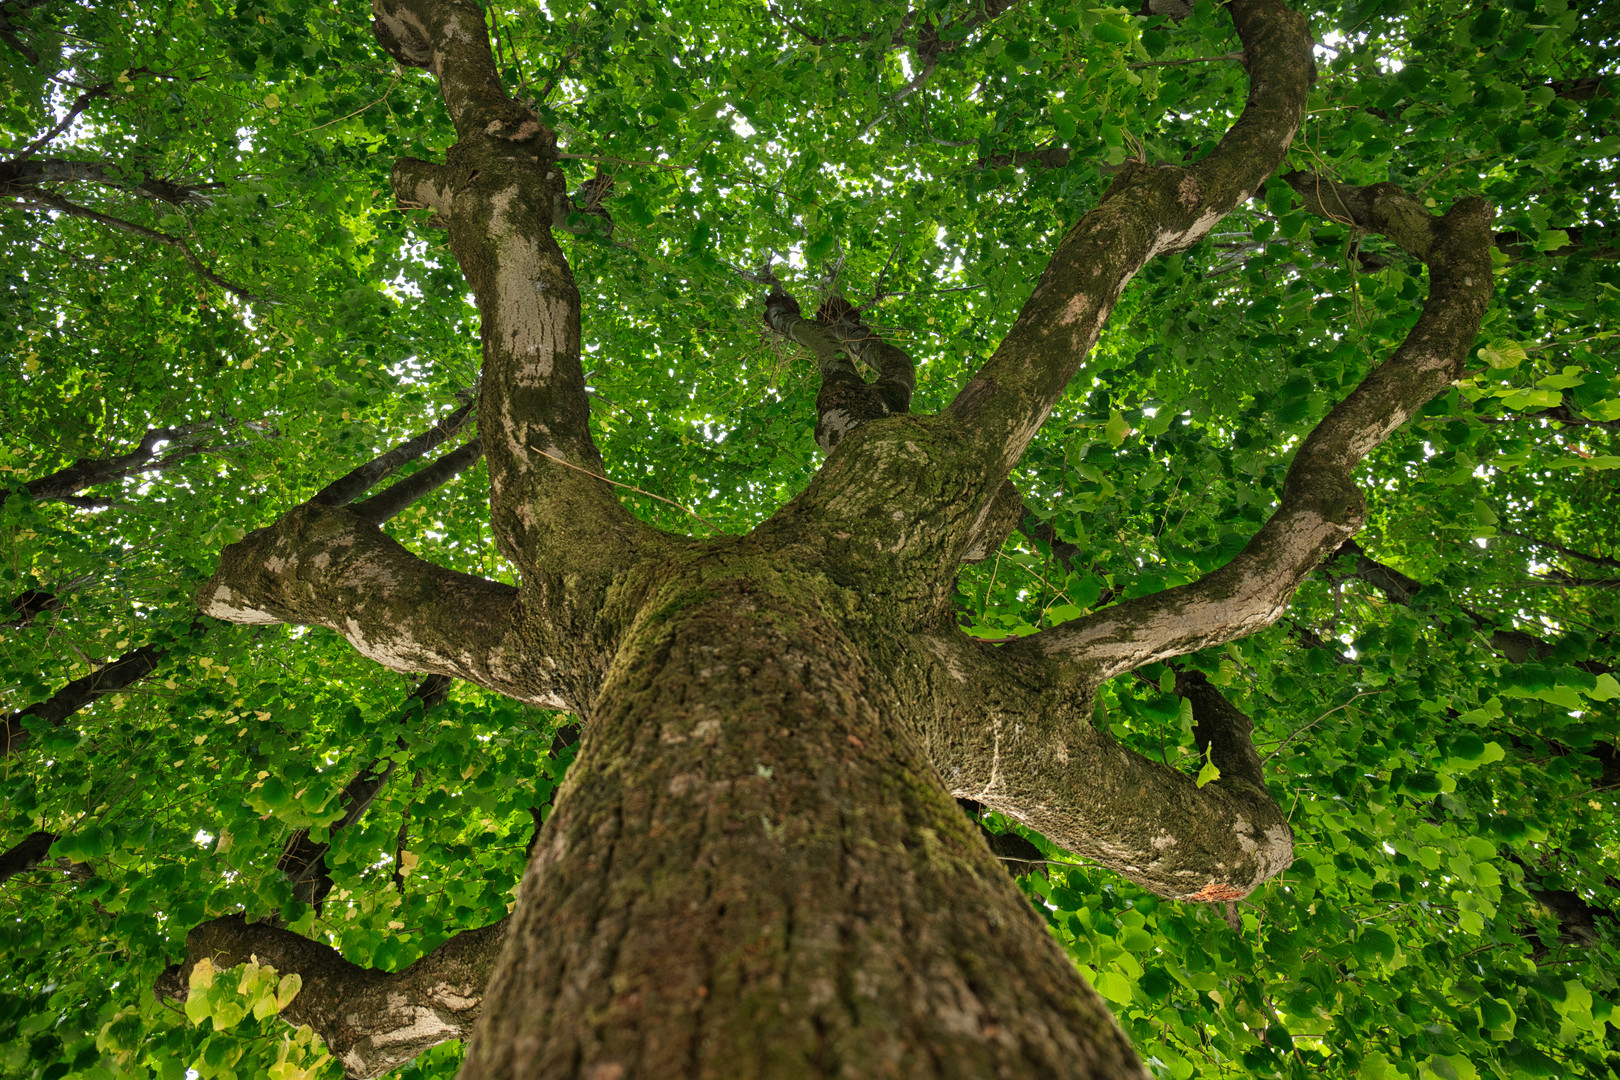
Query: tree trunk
x=754 y=871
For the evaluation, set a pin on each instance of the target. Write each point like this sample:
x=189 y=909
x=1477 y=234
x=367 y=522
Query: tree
x=1182 y=439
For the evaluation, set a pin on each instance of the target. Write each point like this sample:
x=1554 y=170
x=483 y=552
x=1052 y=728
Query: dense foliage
x=1438 y=709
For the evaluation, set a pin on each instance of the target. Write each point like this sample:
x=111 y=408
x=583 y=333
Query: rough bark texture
x=753 y=871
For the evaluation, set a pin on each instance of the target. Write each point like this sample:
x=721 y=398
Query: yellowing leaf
x=1503 y=354
x=202 y=974
x=288 y=989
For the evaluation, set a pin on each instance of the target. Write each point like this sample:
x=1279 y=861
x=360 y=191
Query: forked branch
x=836 y=337
x=497 y=193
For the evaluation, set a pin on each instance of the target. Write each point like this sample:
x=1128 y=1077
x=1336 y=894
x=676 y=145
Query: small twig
x=197 y=265
x=627 y=487
x=1179 y=63
x=1318 y=720
x=390 y=89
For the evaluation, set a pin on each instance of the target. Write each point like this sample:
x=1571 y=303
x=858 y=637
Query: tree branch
x=326 y=566
x=1006 y=738
x=26 y=854
x=154 y=451
x=81 y=103
x=55 y=202
x=302 y=859
x=358 y=481
x=497 y=193
x=1146 y=211
x=845 y=400
x=1570 y=553
x=1320 y=506
x=1222 y=729
x=22 y=177
x=371 y=1021
x=1517 y=646
x=382 y=507
x=115 y=675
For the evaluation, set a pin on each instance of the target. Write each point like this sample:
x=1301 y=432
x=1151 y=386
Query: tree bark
x=755 y=871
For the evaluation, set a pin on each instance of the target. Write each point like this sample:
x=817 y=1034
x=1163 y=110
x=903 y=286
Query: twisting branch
x=498 y=193
x=1320 y=506
x=1147 y=211
x=845 y=400
x=1016 y=744
x=201 y=269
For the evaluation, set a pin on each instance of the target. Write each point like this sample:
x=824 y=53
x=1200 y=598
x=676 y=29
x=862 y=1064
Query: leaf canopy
x=1439 y=706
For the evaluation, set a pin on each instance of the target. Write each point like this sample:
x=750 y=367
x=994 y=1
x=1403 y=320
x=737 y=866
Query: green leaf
x=1503 y=354
x=1208 y=773
x=1114 y=986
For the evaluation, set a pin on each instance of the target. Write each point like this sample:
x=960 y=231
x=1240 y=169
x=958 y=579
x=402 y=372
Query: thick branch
x=1146 y=211
x=371 y=1021
x=325 y=566
x=497 y=193
x=450 y=38
x=1008 y=742
x=1320 y=506
x=21 y=175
